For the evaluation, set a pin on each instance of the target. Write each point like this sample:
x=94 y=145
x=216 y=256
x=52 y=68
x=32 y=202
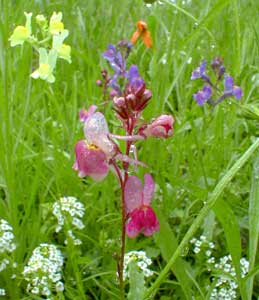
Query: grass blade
x=253 y=223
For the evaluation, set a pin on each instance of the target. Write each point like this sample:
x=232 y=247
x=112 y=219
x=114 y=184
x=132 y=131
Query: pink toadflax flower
x=161 y=127
x=94 y=153
x=90 y=161
x=142 y=218
x=97 y=151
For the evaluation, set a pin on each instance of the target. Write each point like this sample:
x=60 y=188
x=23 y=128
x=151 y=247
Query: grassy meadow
x=206 y=174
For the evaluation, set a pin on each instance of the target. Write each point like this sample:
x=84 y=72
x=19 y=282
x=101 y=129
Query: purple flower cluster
x=117 y=57
x=212 y=93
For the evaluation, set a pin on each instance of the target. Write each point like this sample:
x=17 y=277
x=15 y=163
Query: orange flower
x=142 y=32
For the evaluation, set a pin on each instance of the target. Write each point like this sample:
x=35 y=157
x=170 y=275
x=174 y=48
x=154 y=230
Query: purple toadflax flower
x=117 y=56
x=202 y=96
x=200 y=72
x=114 y=57
x=231 y=89
x=142 y=218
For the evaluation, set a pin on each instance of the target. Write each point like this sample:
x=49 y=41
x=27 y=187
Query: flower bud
x=120 y=107
x=41 y=21
x=161 y=127
x=98 y=82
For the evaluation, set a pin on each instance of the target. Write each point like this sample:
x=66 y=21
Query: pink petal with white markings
x=133 y=193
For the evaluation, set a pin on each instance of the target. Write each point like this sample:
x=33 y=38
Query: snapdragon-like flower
x=142 y=218
x=93 y=153
x=63 y=50
x=47 y=63
x=43 y=271
x=97 y=151
x=90 y=161
x=202 y=96
x=55 y=24
x=69 y=213
x=161 y=127
x=200 y=72
x=21 y=33
x=231 y=89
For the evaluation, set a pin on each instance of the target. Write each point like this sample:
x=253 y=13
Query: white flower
x=43 y=270
x=69 y=213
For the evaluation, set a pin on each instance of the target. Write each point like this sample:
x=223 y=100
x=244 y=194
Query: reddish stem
x=123 y=235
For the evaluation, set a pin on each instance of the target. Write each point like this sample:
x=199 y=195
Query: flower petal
x=229 y=83
x=133 y=193
x=90 y=162
x=148 y=191
x=200 y=71
x=151 y=223
x=237 y=92
x=95 y=125
x=135 y=223
x=84 y=114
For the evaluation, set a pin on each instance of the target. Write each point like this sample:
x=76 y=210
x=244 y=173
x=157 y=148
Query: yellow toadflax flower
x=55 y=24
x=46 y=65
x=21 y=33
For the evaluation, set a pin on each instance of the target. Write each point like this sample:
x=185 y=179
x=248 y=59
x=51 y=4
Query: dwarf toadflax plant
x=98 y=152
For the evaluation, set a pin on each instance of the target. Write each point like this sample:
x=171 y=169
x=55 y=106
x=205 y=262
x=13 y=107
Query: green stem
x=203 y=213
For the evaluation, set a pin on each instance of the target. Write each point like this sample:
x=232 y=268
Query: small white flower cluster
x=225 y=288
x=2 y=292
x=43 y=271
x=202 y=243
x=7 y=244
x=69 y=213
x=141 y=260
x=225 y=285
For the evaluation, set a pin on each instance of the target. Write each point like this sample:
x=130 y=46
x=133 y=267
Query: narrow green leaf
x=137 y=282
x=253 y=223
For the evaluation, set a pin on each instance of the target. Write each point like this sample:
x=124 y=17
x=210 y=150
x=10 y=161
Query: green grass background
x=39 y=127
